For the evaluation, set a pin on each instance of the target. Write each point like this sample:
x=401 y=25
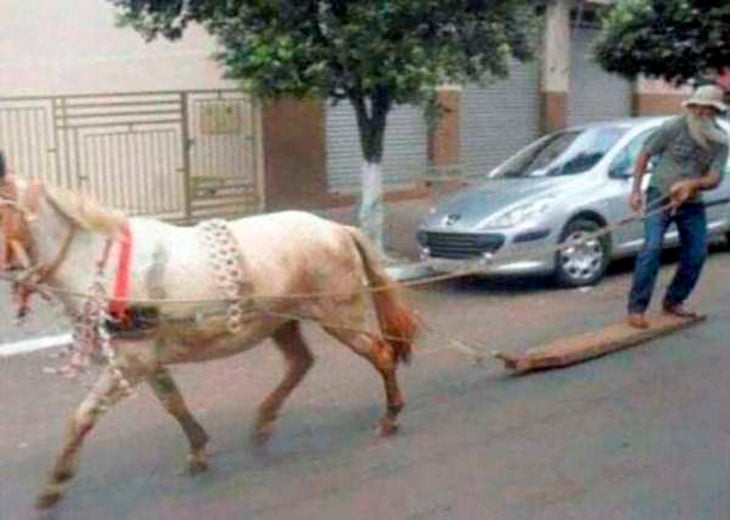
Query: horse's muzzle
x=9 y=258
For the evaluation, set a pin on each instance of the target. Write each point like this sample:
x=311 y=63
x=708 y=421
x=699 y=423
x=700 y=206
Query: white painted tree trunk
x=372 y=209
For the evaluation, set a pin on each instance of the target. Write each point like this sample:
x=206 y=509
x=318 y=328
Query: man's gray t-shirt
x=680 y=157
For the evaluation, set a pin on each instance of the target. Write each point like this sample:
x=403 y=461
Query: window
x=623 y=164
x=563 y=153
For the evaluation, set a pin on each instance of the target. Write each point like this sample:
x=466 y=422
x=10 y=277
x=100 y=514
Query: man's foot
x=637 y=320
x=677 y=309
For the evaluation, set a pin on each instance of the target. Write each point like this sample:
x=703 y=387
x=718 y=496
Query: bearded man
x=692 y=151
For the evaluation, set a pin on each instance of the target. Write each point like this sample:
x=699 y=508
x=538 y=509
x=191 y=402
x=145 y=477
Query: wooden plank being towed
x=568 y=351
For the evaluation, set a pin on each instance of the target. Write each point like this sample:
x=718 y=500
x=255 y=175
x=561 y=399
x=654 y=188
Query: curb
x=405 y=272
x=34 y=344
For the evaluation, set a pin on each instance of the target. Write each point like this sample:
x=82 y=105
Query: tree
x=673 y=39
x=373 y=53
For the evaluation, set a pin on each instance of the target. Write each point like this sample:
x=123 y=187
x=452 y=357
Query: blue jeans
x=691 y=223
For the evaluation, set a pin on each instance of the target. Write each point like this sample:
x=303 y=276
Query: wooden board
x=575 y=349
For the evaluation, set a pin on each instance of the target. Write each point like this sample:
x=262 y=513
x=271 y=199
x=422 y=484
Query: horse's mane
x=84 y=211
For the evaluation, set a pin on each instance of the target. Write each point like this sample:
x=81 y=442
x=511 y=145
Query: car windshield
x=561 y=153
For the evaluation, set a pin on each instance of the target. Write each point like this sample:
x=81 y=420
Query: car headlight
x=517 y=215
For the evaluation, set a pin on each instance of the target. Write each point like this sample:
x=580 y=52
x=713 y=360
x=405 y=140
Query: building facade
x=308 y=151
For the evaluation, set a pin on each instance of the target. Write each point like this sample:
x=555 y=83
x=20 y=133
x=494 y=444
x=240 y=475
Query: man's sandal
x=679 y=311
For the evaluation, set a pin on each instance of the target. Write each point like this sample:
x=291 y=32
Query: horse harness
x=100 y=318
x=226 y=259
x=227 y=264
x=16 y=245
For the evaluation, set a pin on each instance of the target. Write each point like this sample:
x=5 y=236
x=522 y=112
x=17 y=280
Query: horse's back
x=283 y=252
x=295 y=245
x=287 y=229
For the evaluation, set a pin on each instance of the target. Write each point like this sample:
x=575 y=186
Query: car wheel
x=585 y=262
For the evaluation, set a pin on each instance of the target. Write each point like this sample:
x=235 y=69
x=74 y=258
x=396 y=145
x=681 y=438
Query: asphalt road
x=640 y=434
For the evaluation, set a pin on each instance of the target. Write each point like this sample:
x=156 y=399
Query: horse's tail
x=397 y=321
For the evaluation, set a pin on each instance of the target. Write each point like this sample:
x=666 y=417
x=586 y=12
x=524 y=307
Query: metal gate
x=594 y=93
x=498 y=119
x=179 y=156
x=405 y=155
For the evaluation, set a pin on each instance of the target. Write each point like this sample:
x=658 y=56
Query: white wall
x=657 y=86
x=64 y=47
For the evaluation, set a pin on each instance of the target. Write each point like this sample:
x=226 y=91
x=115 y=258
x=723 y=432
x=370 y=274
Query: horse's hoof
x=386 y=428
x=197 y=464
x=261 y=435
x=48 y=498
x=197 y=467
x=260 y=439
x=61 y=476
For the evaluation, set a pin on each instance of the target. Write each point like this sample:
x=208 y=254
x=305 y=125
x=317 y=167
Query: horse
x=273 y=271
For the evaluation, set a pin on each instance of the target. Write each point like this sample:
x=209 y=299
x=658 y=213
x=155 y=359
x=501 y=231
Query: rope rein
x=471 y=267
x=226 y=261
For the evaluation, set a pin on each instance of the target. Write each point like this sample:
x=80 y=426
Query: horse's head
x=14 y=231
x=38 y=222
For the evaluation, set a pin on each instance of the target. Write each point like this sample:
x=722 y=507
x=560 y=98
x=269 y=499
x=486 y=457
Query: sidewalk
x=46 y=327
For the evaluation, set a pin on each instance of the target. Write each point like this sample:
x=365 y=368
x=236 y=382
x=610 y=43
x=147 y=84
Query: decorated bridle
x=16 y=247
x=14 y=235
x=16 y=243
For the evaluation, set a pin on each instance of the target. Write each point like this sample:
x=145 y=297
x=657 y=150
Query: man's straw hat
x=707 y=96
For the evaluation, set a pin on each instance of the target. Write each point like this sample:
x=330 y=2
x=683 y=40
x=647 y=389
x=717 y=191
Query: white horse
x=293 y=266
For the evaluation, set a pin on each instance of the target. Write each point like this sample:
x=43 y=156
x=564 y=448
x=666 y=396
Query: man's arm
x=655 y=144
x=636 y=199
x=709 y=180
x=683 y=190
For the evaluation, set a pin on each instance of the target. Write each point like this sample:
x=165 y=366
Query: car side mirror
x=622 y=168
x=624 y=173
x=653 y=160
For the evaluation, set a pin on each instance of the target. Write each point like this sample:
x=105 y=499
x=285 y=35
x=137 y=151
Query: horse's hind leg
x=168 y=394
x=106 y=392
x=382 y=358
x=299 y=360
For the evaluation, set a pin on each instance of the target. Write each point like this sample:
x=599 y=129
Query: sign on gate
x=180 y=156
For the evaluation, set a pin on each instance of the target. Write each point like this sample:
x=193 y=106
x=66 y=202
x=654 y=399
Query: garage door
x=594 y=94
x=499 y=119
x=405 y=154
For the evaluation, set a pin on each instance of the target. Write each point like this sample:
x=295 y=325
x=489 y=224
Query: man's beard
x=703 y=130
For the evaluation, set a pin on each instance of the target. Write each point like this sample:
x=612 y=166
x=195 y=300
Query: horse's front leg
x=167 y=392
x=108 y=390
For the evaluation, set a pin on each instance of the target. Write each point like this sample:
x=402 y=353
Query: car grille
x=460 y=245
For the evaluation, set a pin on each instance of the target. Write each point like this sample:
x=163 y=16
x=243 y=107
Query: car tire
x=584 y=264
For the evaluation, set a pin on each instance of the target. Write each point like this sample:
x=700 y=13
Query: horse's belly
x=211 y=338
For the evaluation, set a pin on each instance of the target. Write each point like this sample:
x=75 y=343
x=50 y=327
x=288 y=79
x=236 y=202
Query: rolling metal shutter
x=499 y=119
x=594 y=93
x=405 y=155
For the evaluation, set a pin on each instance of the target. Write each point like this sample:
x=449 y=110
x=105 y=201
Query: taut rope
x=471 y=267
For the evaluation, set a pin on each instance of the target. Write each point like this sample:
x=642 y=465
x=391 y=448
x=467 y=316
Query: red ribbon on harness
x=118 y=305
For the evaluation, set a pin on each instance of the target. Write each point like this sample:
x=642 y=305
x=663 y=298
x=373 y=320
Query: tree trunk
x=371 y=115
x=371 y=214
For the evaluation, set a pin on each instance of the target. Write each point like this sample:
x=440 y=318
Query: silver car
x=557 y=189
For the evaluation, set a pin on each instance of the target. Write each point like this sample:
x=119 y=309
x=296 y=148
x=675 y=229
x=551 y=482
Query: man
x=692 y=151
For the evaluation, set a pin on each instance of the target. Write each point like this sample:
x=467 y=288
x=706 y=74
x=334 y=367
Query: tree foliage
x=376 y=53
x=673 y=39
